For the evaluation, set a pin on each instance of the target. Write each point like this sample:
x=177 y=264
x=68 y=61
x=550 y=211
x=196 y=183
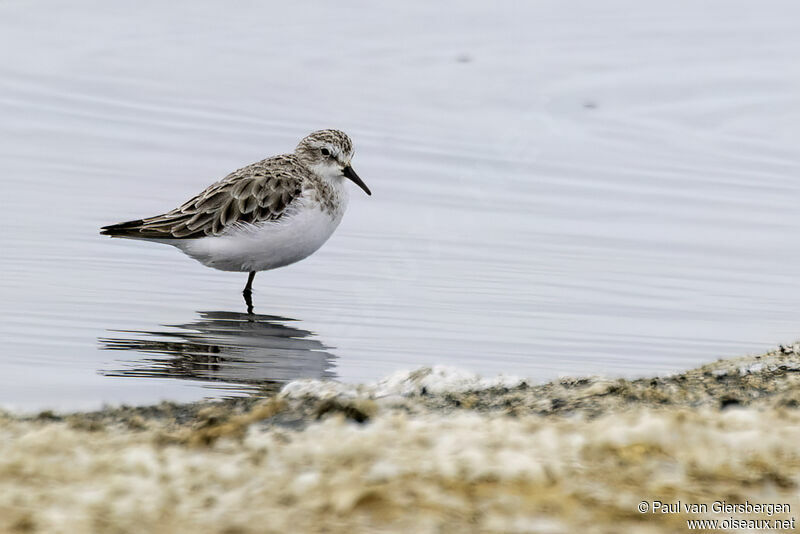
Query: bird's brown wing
x=259 y=192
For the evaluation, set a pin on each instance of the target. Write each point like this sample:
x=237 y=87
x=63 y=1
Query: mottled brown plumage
x=262 y=191
x=259 y=192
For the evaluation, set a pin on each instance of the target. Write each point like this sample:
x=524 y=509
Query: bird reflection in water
x=248 y=350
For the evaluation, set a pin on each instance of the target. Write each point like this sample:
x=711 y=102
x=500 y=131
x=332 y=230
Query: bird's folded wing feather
x=259 y=192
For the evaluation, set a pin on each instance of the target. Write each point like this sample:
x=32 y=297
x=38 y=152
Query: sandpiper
x=267 y=215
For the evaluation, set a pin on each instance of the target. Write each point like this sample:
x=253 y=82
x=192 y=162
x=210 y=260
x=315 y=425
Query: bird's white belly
x=268 y=245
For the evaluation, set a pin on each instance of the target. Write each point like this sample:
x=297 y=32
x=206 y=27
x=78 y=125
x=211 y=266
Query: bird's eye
x=325 y=151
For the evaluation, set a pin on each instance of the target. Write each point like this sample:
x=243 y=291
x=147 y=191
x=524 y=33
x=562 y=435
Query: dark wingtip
x=121 y=229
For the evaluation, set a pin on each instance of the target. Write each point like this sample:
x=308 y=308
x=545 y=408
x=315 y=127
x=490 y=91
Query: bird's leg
x=249 y=287
x=248 y=300
x=248 y=292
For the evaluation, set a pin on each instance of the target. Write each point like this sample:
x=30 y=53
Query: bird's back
x=260 y=192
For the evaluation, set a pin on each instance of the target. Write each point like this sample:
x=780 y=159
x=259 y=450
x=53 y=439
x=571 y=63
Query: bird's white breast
x=269 y=245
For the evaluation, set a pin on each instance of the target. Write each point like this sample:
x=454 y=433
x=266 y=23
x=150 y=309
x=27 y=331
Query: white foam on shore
x=438 y=379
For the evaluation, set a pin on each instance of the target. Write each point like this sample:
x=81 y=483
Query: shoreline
x=740 y=381
x=465 y=453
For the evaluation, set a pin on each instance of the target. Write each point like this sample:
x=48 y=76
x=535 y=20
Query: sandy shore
x=434 y=450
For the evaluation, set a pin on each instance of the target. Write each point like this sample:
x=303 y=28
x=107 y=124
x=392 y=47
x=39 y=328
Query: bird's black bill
x=351 y=174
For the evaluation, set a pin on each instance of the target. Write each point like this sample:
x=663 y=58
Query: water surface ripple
x=559 y=188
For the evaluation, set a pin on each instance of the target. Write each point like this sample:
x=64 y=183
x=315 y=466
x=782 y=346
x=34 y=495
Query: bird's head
x=327 y=153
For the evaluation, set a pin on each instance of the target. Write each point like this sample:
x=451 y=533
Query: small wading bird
x=269 y=214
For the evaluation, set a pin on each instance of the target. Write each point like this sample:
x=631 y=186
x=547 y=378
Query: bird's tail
x=124 y=229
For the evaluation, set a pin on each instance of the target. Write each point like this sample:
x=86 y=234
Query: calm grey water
x=559 y=188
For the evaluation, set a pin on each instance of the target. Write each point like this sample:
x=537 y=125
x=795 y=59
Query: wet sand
x=434 y=450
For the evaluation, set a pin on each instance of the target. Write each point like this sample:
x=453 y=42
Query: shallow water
x=559 y=188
